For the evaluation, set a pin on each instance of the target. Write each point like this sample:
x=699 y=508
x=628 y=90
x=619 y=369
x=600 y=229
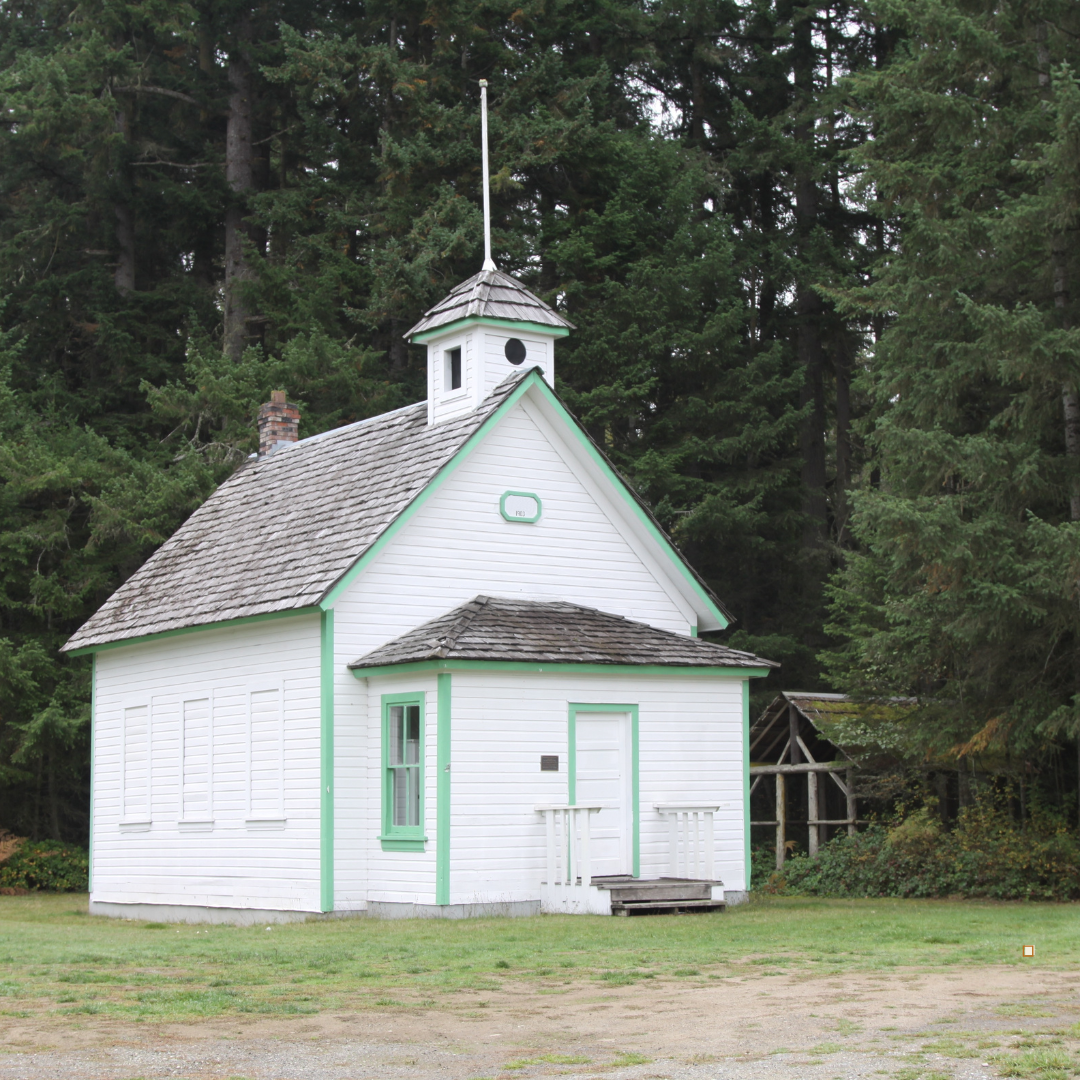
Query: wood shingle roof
x=494 y=295
x=282 y=530
x=556 y=632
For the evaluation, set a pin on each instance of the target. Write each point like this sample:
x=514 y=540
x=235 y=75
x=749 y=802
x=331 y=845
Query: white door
x=603 y=779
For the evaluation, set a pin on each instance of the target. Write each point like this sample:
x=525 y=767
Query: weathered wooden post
x=812 y=812
x=781 y=817
x=852 y=810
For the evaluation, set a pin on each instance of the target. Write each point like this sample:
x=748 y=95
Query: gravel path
x=900 y=1024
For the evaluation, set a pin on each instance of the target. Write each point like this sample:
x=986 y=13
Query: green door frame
x=576 y=707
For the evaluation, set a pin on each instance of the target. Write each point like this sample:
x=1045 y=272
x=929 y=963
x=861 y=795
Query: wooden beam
x=851 y=807
x=781 y=815
x=793 y=738
x=816 y=766
x=812 y=813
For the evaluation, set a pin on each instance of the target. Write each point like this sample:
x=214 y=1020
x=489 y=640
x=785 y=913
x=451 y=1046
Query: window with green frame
x=403 y=772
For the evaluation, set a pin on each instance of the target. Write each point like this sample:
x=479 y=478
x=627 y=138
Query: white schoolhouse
x=439 y=662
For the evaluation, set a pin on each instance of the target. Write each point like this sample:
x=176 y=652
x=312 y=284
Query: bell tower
x=488 y=327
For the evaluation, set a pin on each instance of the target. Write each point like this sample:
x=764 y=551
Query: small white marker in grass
x=1029 y=950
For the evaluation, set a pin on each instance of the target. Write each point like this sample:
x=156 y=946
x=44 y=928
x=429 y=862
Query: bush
x=986 y=855
x=46 y=864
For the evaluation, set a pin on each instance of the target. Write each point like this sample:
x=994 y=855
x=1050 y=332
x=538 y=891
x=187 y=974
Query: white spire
x=488 y=264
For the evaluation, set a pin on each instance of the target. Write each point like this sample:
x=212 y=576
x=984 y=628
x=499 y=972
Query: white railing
x=567 y=829
x=690 y=839
x=567 y=886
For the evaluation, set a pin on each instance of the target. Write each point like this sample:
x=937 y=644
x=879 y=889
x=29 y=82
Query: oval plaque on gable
x=522 y=506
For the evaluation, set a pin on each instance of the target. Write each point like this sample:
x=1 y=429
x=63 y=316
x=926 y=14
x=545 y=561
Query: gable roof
x=281 y=531
x=494 y=295
x=557 y=632
x=288 y=532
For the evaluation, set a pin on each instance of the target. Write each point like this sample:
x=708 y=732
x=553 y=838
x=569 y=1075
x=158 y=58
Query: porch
x=570 y=886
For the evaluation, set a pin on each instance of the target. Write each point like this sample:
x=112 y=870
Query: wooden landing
x=659 y=896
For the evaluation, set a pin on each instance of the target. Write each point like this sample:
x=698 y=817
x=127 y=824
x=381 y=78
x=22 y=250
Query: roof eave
x=419 y=335
x=554 y=667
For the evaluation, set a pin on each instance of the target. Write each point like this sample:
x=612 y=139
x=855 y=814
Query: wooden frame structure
x=787 y=731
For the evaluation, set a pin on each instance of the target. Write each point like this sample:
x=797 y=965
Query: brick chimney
x=279 y=423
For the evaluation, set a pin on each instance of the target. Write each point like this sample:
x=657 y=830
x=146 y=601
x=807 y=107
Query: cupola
x=488 y=327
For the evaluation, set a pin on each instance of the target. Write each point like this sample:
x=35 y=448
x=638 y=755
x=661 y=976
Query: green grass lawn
x=57 y=960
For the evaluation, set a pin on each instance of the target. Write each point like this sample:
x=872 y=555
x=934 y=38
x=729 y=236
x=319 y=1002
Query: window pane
x=395 y=752
x=405 y=795
x=412 y=736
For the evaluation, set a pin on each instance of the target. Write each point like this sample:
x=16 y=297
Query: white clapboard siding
x=456 y=547
x=690 y=744
x=266 y=761
x=220 y=857
x=136 y=743
x=538 y=353
x=196 y=788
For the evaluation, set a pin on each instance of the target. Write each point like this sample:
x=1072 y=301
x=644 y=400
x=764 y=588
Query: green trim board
x=224 y=624
x=573 y=709
x=524 y=519
x=326 y=761
x=398 y=843
x=93 y=759
x=402 y=837
x=746 y=778
x=458 y=325
x=416 y=666
x=442 y=788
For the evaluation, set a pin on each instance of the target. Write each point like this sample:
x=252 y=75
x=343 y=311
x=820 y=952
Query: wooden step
x=665 y=907
x=636 y=890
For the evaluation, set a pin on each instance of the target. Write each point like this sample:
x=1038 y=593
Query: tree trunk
x=239 y=175
x=808 y=304
x=843 y=435
x=124 y=274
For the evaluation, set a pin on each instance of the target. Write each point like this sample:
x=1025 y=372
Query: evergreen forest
x=822 y=258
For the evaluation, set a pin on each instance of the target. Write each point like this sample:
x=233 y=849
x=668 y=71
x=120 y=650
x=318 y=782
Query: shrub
x=46 y=864
x=986 y=855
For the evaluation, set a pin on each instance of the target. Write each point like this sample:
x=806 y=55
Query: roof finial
x=488 y=264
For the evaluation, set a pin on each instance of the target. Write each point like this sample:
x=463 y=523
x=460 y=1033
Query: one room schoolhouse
x=438 y=662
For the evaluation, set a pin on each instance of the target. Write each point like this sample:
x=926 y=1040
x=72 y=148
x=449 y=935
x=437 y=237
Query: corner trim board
x=93 y=758
x=326 y=761
x=442 y=788
x=746 y=781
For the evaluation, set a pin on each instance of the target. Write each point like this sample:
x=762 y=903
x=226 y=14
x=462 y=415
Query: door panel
x=603 y=778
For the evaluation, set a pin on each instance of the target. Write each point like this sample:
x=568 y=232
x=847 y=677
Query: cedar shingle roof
x=282 y=530
x=494 y=295
x=555 y=632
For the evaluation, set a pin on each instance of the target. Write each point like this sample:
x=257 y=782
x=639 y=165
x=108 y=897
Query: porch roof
x=550 y=632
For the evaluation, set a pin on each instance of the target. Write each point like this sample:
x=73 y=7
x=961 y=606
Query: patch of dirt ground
x=904 y=1024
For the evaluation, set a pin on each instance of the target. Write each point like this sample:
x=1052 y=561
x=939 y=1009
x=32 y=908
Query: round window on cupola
x=514 y=350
